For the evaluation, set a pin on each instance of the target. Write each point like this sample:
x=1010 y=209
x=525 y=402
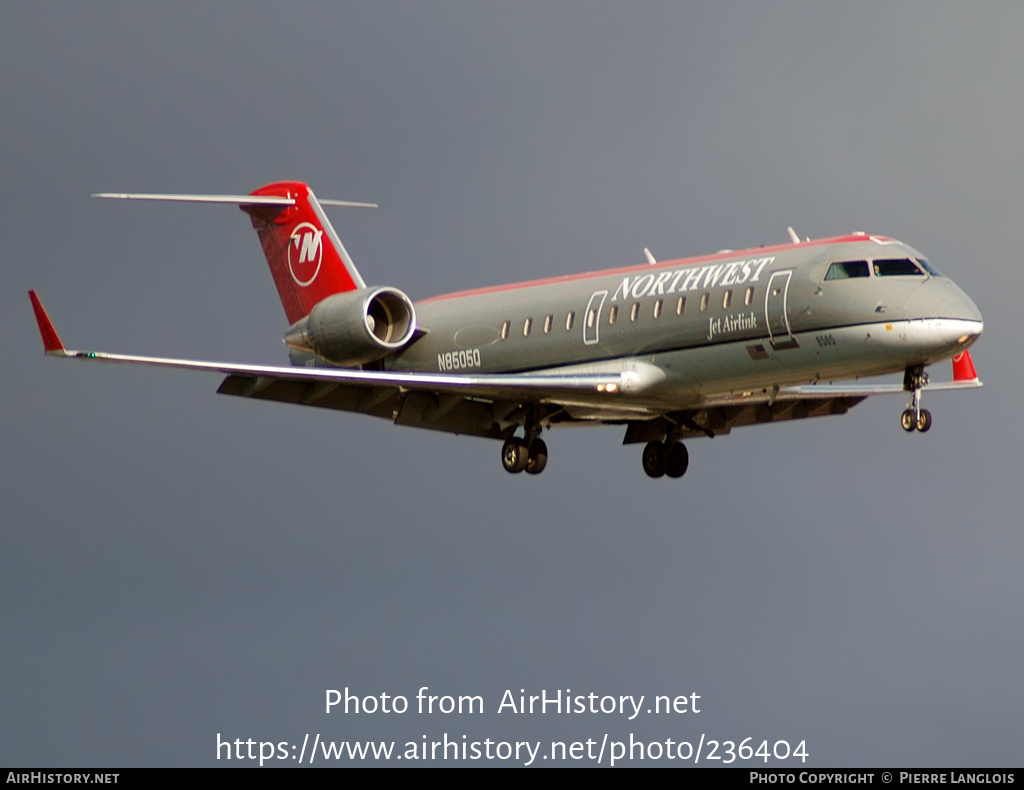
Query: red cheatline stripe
x=735 y=254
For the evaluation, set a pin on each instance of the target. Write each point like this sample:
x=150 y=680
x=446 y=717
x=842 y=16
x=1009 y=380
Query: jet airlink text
x=731 y=323
x=565 y=702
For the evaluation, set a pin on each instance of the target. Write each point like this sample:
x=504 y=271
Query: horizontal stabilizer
x=240 y=200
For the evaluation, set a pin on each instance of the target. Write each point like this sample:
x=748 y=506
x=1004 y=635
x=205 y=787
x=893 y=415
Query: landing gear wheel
x=514 y=455
x=678 y=460
x=924 y=420
x=538 y=457
x=908 y=421
x=655 y=459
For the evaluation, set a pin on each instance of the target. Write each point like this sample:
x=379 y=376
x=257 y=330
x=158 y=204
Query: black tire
x=655 y=459
x=908 y=421
x=514 y=456
x=538 y=457
x=924 y=420
x=678 y=460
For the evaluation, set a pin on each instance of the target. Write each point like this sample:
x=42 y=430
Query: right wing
x=482 y=405
x=493 y=405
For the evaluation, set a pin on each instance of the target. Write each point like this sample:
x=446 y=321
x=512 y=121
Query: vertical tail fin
x=306 y=257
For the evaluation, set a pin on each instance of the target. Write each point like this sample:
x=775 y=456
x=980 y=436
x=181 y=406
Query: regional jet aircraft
x=668 y=349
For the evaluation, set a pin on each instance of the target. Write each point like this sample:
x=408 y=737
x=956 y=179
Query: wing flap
x=721 y=419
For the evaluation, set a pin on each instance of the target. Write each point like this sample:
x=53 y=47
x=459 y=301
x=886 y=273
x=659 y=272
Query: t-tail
x=331 y=311
x=305 y=255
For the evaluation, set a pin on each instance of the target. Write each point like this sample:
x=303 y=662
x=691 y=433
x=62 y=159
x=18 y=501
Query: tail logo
x=305 y=253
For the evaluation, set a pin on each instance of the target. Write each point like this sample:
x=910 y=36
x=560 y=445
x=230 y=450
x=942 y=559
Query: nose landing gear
x=915 y=418
x=921 y=421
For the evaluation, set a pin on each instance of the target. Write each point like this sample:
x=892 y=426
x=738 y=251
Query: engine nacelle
x=356 y=326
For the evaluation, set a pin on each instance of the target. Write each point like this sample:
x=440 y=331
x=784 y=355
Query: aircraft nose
x=945 y=319
x=941 y=298
x=966 y=310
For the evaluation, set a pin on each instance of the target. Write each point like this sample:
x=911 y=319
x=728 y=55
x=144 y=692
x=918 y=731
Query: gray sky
x=178 y=564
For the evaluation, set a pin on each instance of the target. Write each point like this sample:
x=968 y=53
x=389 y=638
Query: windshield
x=897 y=267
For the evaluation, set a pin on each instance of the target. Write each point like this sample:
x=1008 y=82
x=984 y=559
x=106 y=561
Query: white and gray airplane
x=669 y=349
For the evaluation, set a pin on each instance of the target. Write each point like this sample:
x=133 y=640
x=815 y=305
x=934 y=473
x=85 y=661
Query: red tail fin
x=963 y=367
x=305 y=255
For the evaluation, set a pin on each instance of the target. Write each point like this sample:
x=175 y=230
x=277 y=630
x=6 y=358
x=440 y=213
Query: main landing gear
x=665 y=458
x=915 y=418
x=518 y=455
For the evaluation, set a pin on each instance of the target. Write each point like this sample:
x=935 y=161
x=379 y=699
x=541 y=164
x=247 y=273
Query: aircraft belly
x=699 y=374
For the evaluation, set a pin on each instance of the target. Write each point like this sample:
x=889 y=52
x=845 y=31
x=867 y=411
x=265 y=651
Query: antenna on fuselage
x=792 y=235
x=650 y=258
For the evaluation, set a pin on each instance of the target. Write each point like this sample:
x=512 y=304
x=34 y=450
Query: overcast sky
x=178 y=564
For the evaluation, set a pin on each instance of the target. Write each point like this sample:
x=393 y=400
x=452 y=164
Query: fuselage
x=822 y=310
x=671 y=350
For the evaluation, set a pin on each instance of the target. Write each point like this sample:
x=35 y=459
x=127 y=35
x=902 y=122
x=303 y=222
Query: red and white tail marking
x=963 y=367
x=305 y=255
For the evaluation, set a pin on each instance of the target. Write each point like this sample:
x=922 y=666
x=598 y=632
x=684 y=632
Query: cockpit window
x=897 y=267
x=929 y=268
x=843 y=270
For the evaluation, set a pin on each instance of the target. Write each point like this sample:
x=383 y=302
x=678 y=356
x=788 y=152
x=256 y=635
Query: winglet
x=51 y=340
x=963 y=367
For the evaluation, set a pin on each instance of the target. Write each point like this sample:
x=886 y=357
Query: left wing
x=830 y=391
x=719 y=414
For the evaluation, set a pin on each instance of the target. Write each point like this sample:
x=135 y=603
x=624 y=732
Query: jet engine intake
x=356 y=326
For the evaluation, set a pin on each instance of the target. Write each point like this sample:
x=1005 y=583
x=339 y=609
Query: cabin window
x=591 y=317
x=748 y=297
x=705 y=298
x=527 y=325
x=897 y=267
x=547 y=323
x=504 y=330
x=634 y=311
x=613 y=314
x=570 y=319
x=680 y=304
x=657 y=308
x=844 y=270
x=727 y=298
